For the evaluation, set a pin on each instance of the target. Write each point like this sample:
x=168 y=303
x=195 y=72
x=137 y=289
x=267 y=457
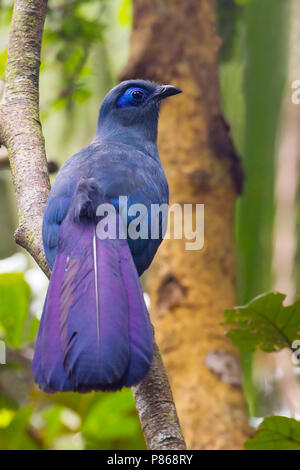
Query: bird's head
x=132 y=107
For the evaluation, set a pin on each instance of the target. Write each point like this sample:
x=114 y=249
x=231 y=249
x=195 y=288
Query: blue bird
x=95 y=332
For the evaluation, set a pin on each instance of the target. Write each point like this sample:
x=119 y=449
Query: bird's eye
x=133 y=96
x=137 y=95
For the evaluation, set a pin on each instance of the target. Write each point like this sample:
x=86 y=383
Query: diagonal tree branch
x=21 y=134
x=20 y=128
x=156 y=409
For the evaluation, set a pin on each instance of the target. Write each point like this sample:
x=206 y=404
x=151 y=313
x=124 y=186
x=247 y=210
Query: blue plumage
x=95 y=331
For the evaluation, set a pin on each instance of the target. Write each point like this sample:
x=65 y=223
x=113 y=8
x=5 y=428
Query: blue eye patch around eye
x=133 y=96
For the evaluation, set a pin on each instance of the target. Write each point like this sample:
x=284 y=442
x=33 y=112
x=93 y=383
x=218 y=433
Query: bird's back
x=119 y=170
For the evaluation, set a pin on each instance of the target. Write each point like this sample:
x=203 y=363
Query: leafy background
x=30 y=419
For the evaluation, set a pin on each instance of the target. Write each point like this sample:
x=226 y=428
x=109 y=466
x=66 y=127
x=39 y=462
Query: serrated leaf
x=276 y=433
x=264 y=323
x=14 y=305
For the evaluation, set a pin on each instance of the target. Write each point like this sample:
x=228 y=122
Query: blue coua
x=95 y=332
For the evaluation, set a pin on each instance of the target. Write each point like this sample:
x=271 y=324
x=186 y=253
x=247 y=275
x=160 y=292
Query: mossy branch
x=21 y=134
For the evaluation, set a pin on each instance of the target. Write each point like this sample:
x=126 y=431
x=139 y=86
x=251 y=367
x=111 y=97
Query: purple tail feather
x=95 y=332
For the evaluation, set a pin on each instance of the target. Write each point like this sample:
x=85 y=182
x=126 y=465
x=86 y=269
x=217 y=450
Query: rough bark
x=176 y=42
x=156 y=409
x=20 y=128
x=21 y=134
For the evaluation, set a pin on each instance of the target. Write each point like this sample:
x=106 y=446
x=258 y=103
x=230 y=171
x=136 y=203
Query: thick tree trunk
x=176 y=42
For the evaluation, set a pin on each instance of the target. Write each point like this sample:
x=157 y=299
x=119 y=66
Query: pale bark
x=20 y=128
x=21 y=134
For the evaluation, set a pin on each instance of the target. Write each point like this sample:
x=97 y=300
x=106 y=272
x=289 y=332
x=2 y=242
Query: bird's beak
x=164 y=91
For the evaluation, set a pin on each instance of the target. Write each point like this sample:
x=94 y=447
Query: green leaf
x=264 y=323
x=6 y=417
x=112 y=417
x=16 y=435
x=7 y=403
x=14 y=305
x=276 y=433
x=53 y=424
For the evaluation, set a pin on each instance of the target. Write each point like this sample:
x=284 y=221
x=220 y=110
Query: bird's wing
x=56 y=210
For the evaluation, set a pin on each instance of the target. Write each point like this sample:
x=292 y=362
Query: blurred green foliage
x=72 y=29
x=264 y=81
x=253 y=72
x=59 y=421
x=18 y=328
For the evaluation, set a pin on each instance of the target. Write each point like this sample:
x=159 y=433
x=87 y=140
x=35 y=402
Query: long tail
x=95 y=332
